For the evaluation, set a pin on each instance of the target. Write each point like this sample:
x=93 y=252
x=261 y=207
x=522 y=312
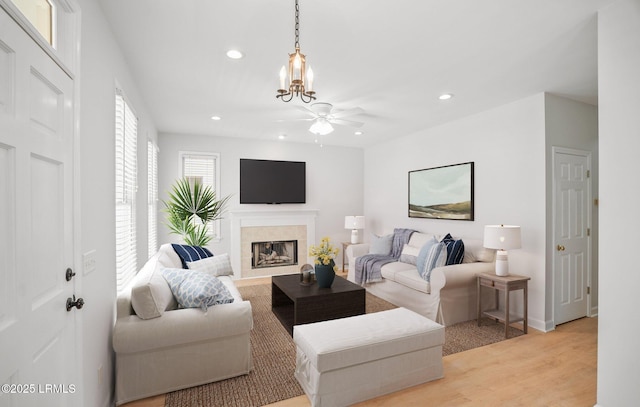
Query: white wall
x=507 y=145
x=334 y=179
x=619 y=117
x=101 y=65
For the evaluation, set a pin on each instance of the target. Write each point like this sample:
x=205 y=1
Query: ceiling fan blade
x=344 y=113
x=305 y=110
x=343 y=122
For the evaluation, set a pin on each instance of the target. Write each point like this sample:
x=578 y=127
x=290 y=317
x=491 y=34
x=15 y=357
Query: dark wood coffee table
x=296 y=304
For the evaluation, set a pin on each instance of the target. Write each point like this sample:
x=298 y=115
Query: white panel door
x=37 y=334
x=572 y=261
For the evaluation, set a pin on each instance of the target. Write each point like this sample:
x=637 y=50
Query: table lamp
x=502 y=238
x=354 y=223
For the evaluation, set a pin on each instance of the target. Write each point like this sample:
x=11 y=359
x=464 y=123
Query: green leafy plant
x=190 y=209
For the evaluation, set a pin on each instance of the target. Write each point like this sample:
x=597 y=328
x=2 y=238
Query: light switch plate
x=89 y=261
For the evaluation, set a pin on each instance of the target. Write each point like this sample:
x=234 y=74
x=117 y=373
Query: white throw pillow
x=219 y=265
x=409 y=254
x=381 y=244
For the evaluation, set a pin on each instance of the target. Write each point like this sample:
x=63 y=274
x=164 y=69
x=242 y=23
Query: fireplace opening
x=274 y=254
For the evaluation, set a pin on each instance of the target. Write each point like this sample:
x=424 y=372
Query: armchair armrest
x=132 y=334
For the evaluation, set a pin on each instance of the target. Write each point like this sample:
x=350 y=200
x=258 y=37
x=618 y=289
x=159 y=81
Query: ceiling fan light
x=321 y=127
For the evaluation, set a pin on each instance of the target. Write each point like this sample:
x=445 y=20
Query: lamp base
x=502 y=263
x=354 y=236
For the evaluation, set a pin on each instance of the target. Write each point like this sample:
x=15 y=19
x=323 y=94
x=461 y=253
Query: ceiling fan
x=323 y=116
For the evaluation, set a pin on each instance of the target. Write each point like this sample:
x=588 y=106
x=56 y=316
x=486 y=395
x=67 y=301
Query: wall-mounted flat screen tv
x=272 y=182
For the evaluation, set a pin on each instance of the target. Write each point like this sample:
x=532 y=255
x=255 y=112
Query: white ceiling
x=391 y=58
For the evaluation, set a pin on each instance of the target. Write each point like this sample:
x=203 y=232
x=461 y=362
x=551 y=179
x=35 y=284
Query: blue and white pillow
x=190 y=253
x=433 y=254
x=195 y=289
x=455 y=250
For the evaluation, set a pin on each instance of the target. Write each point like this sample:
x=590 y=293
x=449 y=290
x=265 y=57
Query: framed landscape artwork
x=442 y=192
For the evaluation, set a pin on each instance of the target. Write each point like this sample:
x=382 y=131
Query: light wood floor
x=539 y=369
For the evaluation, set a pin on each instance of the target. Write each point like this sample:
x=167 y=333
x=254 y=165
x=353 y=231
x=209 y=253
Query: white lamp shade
x=502 y=237
x=354 y=222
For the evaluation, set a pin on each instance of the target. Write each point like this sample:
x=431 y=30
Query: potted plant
x=325 y=267
x=190 y=209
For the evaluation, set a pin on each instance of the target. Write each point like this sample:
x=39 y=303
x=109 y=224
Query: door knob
x=72 y=302
x=560 y=248
x=69 y=274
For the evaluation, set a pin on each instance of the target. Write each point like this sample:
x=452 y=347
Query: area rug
x=274 y=357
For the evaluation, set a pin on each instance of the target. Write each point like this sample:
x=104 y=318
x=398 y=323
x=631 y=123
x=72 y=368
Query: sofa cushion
x=216 y=266
x=474 y=250
x=150 y=293
x=190 y=253
x=381 y=244
x=195 y=289
x=455 y=250
x=424 y=252
x=411 y=279
x=418 y=239
x=390 y=270
x=409 y=254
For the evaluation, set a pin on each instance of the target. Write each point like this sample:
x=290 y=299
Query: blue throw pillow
x=381 y=244
x=190 y=253
x=435 y=256
x=455 y=250
x=195 y=289
x=424 y=252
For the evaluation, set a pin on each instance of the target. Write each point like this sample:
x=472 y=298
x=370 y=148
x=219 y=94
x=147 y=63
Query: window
x=126 y=186
x=204 y=168
x=41 y=14
x=152 y=196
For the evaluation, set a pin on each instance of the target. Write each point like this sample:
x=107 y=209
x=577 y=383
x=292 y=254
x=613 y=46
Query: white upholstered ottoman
x=344 y=361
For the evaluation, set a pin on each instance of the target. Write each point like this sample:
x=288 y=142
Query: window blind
x=204 y=168
x=126 y=129
x=152 y=196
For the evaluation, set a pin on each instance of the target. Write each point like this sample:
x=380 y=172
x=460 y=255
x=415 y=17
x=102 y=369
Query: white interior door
x=572 y=257
x=37 y=334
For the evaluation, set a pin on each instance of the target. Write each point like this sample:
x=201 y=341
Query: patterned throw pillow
x=190 y=253
x=455 y=250
x=195 y=289
x=219 y=265
x=433 y=254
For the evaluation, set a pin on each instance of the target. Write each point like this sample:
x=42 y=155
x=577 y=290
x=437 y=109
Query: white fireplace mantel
x=276 y=217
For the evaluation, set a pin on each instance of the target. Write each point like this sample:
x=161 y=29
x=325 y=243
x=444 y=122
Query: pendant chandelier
x=300 y=82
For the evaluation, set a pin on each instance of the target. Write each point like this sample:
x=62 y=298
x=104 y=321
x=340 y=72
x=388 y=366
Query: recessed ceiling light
x=445 y=96
x=358 y=133
x=234 y=54
x=282 y=137
x=216 y=118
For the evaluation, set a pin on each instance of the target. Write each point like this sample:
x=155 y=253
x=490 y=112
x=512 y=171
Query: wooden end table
x=344 y=251
x=505 y=284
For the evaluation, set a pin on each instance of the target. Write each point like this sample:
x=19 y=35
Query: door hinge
x=588 y=231
x=588 y=290
x=595 y=202
x=588 y=173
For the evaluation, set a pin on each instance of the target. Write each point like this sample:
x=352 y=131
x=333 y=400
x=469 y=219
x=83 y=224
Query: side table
x=344 y=250
x=505 y=284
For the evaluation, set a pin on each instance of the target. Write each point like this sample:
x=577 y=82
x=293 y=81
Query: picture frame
x=444 y=192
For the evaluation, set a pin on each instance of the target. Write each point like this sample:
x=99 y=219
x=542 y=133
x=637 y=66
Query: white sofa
x=175 y=348
x=449 y=298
